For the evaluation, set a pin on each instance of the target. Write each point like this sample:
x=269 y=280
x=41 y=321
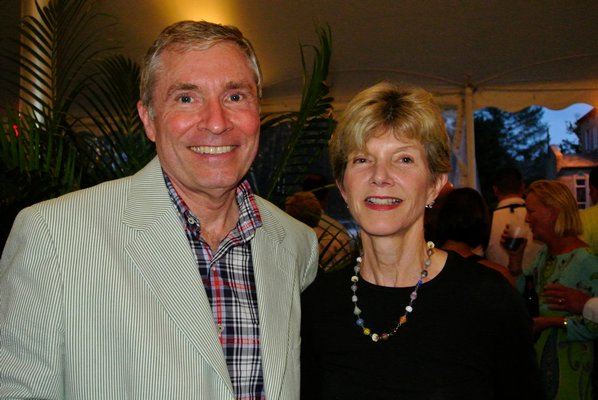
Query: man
x=508 y=188
x=101 y=289
x=589 y=216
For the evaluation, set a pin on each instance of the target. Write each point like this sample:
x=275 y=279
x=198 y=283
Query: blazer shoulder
x=281 y=226
x=101 y=203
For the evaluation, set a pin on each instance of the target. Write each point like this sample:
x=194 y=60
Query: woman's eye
x=406 y=160
x=359 y=160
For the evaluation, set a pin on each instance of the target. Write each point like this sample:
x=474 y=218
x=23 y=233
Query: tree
x=571 y=146
x=504 y=138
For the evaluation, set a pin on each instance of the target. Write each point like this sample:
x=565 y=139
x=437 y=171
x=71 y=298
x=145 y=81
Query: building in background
x=573 y=169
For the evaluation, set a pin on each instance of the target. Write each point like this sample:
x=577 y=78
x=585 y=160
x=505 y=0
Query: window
x=581 y=191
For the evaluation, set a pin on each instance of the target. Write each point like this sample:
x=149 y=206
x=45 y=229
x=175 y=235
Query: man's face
x=206 y=119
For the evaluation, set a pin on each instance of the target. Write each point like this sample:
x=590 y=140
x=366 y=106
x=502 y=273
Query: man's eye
x=235 y=97
x=185 y=99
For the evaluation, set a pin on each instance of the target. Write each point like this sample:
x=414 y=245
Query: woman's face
x=541 y=219
x=387 y=185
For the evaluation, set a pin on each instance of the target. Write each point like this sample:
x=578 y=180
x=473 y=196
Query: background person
x=337 y=247
x=565 y=346
x=508 y=187
x=177 y=282
x=334 y=250
x=463 y=226
x=410 y=320
x=589 y=216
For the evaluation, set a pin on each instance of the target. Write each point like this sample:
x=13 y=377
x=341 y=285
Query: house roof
x=587 y=116
x=574 y=161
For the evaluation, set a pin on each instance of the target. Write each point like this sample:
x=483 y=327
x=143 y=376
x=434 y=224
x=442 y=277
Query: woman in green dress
x=565 y=344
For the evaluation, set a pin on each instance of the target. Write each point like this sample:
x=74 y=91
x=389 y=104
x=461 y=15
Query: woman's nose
x=380 y=175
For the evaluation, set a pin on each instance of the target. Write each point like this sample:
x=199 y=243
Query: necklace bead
x=408 y=308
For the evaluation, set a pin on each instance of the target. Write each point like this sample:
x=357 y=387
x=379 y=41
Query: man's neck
x=510 y=196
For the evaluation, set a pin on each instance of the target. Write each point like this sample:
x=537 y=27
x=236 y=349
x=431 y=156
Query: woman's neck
x=398 y=262
x=562 y=245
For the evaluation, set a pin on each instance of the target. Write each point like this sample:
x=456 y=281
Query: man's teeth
x=386 y=201
x=212 y=149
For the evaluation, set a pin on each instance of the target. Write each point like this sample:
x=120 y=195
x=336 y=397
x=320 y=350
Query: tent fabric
x=470 y=53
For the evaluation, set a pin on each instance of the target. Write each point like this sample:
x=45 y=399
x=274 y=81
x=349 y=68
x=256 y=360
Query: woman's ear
x=438 y=186
x=339 y=185
x=553 y=213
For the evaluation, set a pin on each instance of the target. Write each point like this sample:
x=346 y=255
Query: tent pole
x=28 y=7
x=470 y=142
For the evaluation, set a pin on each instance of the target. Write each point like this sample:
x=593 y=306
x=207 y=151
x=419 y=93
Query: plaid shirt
x=229 y=282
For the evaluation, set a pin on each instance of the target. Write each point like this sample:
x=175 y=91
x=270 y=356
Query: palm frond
x=118 y=145
x=311 y=126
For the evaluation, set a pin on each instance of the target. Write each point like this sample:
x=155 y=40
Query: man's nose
x=215 y=118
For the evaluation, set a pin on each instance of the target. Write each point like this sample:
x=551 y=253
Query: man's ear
x=148 y=122
x=495 y=190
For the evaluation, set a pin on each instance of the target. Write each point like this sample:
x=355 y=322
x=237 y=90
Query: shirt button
x=220 y=329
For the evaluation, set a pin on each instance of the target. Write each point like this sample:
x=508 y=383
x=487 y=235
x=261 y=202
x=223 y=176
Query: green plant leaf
x=310 y=127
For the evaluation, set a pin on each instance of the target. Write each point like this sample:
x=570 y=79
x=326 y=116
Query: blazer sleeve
x=311 y=268
x=31 y=320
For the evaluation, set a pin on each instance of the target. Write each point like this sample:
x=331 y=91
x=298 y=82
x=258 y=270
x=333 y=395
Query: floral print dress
x=566 y=354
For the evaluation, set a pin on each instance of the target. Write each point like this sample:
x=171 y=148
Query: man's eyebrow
x=239 y=85
x=231 y=85
x=180 y=87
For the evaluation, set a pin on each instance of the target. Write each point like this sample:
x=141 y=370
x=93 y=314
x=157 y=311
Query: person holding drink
x=508 y=188
x=565 y=344
x=515 y=235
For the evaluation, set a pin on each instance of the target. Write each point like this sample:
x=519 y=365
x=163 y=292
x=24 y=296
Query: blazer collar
x=161 y=253
x=273 y=268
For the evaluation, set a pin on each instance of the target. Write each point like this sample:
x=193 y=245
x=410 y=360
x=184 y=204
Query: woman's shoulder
x=476 y=287
x=328 y=282
x=582 y=256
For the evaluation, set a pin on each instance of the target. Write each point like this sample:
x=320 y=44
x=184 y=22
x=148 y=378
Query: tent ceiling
x=511 y=53
x=470 y=53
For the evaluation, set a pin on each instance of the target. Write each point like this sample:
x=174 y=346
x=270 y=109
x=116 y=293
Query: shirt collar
x=509 y=201
x=249 y=215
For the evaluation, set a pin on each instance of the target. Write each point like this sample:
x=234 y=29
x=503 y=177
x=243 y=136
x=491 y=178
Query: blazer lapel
x=271 y=278
x=162 y=254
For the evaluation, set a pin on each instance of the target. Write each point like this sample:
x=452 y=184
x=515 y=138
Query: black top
x=469 y=337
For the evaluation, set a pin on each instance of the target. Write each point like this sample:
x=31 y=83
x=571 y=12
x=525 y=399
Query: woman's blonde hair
x=388 y=108
x=555 y=194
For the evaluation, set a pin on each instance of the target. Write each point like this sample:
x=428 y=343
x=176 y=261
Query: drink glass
x=514 y=237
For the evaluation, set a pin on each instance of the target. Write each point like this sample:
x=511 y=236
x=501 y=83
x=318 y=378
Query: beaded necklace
x=408 y=309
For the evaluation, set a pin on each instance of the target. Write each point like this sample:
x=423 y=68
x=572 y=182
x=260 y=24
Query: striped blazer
x=101 y=298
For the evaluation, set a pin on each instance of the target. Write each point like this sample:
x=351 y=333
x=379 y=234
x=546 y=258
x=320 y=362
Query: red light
x=15 y=128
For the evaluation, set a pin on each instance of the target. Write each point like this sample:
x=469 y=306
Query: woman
x=565 y=346
x=463 y=226
x=410 y=321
